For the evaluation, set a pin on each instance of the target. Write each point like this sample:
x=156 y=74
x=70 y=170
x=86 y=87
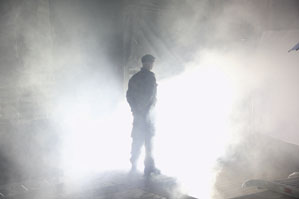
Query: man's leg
x=137 y=140
x=135 y=152
x=149 y=163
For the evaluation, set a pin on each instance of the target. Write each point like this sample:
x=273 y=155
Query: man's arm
x=130 y=96
x=151 y=91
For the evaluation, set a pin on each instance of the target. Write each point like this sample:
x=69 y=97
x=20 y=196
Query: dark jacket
x=142 y=91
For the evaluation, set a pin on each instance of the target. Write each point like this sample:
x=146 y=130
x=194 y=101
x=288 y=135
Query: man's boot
x=151 y=170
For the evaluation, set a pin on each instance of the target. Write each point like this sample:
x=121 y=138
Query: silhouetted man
x=141 y=96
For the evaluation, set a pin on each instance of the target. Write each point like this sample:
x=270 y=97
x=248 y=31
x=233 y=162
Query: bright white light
x=94 y=142
x=192 y=122
x=193 y=126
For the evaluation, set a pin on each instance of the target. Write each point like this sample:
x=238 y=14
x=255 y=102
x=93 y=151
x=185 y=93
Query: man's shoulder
x=151 y=73
x=148 y=73
x=135 y=76
x=143 y=74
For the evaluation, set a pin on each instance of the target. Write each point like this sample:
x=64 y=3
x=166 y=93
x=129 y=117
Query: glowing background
x=222 y=75
x=192 y=121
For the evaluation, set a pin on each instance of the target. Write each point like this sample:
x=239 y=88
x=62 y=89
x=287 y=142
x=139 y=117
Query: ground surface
x=108 y=185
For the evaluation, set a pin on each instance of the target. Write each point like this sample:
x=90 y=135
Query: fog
x=223 y=69
x=239 y=81
x=55 y=61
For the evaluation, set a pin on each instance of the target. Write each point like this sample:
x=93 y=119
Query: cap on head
x=147 y=58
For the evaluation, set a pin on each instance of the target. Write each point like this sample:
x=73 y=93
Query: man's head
x=148 y=61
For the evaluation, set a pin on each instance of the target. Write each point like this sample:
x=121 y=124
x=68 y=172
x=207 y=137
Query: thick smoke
x=224 y=75
x=62 y=68
x=239 y=77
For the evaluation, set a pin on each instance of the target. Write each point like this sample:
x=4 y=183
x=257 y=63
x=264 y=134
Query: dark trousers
x=142 y=135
